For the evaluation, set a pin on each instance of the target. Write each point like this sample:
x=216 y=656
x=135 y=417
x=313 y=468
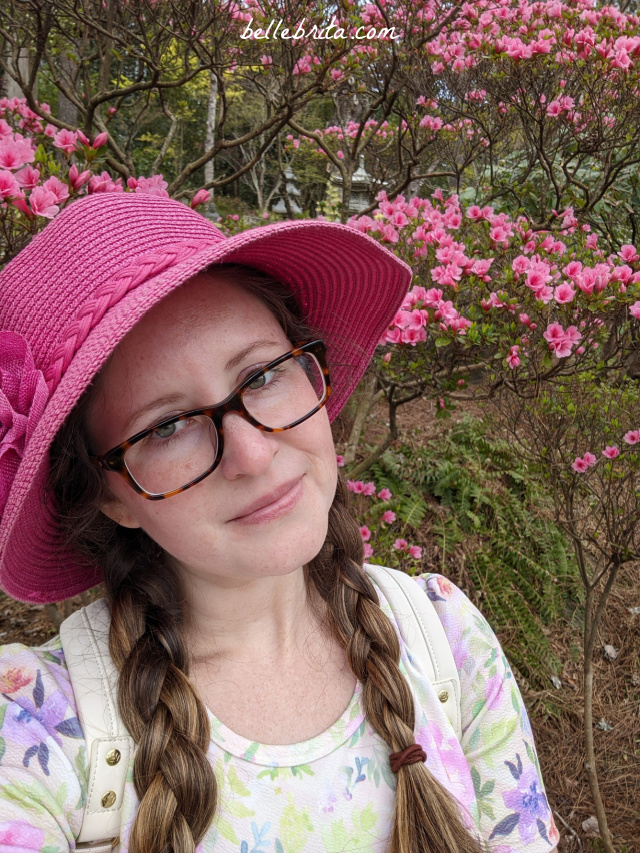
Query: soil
x=556 y=714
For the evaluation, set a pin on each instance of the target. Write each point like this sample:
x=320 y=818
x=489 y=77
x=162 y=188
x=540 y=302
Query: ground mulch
x=556 y=714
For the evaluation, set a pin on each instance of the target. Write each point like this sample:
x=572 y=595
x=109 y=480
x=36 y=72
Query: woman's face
x=184 y=347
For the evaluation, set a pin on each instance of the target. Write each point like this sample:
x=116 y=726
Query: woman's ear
x=114 y=509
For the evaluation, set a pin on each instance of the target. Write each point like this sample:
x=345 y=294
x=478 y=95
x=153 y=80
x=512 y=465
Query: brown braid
x=159 y=705
x=425 y=816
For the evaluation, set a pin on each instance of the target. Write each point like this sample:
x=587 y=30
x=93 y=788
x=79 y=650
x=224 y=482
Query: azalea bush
x=492 y=294
x=43 y=168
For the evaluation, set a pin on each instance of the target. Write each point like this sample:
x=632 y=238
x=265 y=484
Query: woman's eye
x=262 y=380
x=165 y=431
x=169 y=430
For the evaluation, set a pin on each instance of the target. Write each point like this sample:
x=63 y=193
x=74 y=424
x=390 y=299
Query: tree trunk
x=592 y=618
x=10 y=89
x=209 y=136
x=67 y=110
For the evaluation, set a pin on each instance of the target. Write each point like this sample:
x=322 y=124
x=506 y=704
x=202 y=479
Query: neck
x=240 y=621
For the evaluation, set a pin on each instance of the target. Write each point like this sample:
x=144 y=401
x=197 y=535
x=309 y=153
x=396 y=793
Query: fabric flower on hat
x=23 y=397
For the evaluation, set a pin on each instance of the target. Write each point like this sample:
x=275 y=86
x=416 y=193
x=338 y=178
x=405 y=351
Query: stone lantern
x=361 y=184
x=292 y=191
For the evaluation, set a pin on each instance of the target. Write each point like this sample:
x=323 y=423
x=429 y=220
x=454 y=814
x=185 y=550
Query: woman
x=260 y=672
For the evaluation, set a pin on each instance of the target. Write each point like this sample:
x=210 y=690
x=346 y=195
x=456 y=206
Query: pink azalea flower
x=512 y=359
x=15 y=153
x=564 y=293
x=76 y=179
x=57 y=187
x=384 y=494
x=8 y=184
x=628 y=253
x=369 y=489
x=401 y=544
x=355 y=486
x=634 y=310
x=389 y=234
x=65 y=140
x=611 y=451
x=100 y=140
x=633 y=436
x=579 y=465
x=339 y=461
x=388 y=517
x=365 y=533
x=368 y=550
x=155 y=185
x=43 y=202
x=416 y=552
x=413 y=336
x=104 y=184
x=481 y=267
x=589 y=458
x=28 y=177
x=201 y=197
x=561 y=341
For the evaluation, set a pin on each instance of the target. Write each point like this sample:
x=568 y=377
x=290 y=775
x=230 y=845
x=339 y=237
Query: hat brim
x=343 y=281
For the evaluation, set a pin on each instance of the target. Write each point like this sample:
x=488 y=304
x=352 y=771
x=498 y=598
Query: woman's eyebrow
x=235 y=361
x=148 y=407
x=175 y=398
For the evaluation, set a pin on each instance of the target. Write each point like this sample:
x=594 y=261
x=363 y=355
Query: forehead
x=205 y=321
x=209 y=308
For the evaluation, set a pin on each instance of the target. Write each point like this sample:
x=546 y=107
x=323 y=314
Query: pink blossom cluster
x=458 y=248
x=368 y=489
x=42 y=190
x=414 y=550
x=611 y=451
x=521 y=30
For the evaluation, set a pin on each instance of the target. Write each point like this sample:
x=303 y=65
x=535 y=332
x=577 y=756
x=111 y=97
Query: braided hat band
x=74 y=292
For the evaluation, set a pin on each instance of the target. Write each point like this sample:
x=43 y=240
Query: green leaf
x=236 y=785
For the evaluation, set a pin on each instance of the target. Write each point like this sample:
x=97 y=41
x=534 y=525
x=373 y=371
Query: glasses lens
x=174 y=455
x=285 y=393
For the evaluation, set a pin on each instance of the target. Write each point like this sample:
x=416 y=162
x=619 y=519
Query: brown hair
x=160 y=707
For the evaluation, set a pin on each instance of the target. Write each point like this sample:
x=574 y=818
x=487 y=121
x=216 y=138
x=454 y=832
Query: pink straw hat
x=76 y=290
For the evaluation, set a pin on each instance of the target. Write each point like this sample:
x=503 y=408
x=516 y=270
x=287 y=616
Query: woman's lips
x=274 y=509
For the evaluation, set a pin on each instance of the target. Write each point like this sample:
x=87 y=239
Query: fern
x=521 y=566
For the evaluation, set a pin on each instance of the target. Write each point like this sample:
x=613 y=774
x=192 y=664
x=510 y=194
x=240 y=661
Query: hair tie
x=411 y=755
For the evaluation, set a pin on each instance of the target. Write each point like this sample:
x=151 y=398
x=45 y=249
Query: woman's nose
x=247 y=450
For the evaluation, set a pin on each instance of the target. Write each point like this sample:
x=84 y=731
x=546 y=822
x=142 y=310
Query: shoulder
x=43 y=765
x=21 y=666
x=36 y=698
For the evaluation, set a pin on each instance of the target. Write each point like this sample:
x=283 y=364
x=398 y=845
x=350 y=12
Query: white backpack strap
x=422 y=631
x=94 y=678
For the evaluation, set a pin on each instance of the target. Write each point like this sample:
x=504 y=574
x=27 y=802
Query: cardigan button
x=108 y=800
x=443 y=696
x=113 y=757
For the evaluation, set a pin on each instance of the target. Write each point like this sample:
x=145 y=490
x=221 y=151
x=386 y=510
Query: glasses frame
x=113 y=460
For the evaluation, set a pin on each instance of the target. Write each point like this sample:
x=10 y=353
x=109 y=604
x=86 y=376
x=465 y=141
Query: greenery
x=521 y=566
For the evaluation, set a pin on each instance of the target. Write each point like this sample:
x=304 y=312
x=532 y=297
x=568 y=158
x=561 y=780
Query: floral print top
x=331 y=794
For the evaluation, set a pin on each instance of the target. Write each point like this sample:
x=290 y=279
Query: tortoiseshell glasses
x=177 y=452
